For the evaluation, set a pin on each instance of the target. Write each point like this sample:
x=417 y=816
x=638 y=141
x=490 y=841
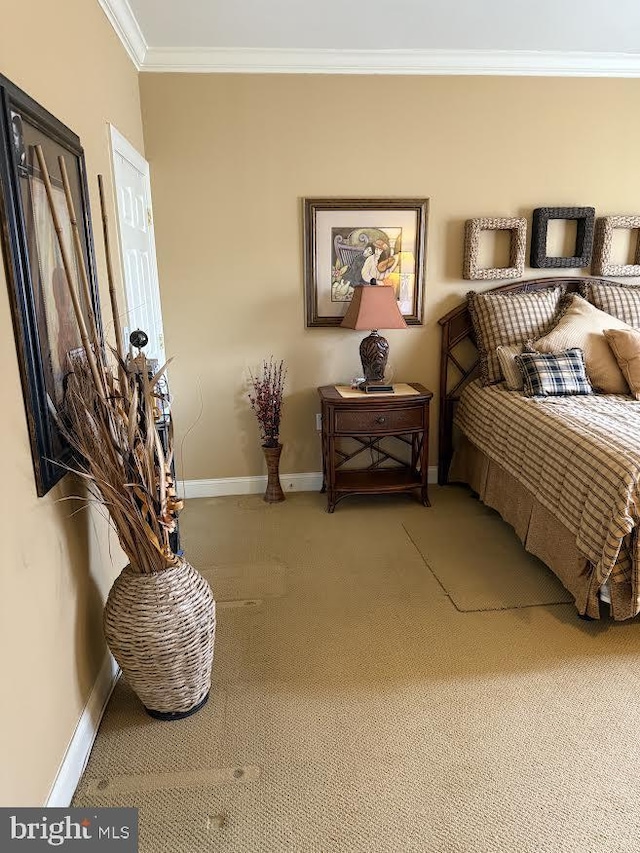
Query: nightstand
x=390 y=432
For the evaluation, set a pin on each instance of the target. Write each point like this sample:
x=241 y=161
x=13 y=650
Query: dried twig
x=109 y=417
x=112 y=288
x=265 y=396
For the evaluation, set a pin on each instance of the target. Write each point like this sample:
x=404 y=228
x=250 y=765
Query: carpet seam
x=478 y=609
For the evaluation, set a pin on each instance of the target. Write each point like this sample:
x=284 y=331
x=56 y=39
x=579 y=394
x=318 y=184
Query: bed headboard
x=454 y=374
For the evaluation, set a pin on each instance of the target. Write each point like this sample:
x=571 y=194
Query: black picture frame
x=581 y=259
x=355 y=223
x=44 y=326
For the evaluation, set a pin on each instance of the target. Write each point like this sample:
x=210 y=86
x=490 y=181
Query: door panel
x=135 y=220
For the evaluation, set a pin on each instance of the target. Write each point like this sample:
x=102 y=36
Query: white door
x=137 y=245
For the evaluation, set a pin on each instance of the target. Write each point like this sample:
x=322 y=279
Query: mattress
x=579 y=457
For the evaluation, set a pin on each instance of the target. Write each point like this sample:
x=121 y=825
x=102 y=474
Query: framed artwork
x=349 y=241
x=44 y=323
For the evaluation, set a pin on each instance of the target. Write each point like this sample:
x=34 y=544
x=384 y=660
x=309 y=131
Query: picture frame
x=585 y=222
x=603 y=263
x=44 y=325
x=517 y=228
x=348 y=241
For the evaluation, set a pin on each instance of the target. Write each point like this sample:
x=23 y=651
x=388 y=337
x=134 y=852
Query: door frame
x=119 y=144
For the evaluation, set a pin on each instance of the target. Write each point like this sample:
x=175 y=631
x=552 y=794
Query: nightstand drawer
x=386 y=420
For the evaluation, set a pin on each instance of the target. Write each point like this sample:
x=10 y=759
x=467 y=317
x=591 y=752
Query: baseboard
x=79 y=749
x=249 y=485
x=311 y=482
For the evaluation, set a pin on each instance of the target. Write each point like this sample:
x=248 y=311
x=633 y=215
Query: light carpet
x=354 y=709
x=481 y=564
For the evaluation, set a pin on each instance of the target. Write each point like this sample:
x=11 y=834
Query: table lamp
x=373 y=307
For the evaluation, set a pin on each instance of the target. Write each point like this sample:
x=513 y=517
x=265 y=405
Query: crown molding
x=249 y=60
x=125 y=23
x=435 y=62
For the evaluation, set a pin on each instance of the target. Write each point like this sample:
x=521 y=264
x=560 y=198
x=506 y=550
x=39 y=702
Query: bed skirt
x=538 y=529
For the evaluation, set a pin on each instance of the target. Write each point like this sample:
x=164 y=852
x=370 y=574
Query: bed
x=563 y=471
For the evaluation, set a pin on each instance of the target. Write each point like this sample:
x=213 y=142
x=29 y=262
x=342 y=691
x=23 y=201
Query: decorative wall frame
x=349 y=241
x=581 y=258
x=43 y=320
x=602 y=264
x=472 y=234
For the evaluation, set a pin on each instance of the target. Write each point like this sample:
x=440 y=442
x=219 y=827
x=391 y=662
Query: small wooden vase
x=273 y=493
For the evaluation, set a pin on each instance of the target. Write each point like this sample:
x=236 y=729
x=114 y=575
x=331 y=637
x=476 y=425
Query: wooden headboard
x=454 y=374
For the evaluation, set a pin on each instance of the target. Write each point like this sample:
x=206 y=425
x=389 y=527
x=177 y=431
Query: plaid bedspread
x=579 y=456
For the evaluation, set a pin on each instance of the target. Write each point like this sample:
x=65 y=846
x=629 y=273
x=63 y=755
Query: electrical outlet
x=319 y=423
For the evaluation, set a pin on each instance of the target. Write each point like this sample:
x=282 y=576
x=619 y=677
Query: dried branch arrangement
x=109 y=417
x=265 y=396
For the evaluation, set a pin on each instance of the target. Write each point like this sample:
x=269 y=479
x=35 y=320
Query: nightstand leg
x=424 y=469
x=323 y=439
x=330 y=472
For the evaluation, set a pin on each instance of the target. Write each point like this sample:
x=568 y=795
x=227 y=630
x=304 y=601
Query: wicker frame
x=581 y=258
x=472 y=233
x=457 y=328
x=602 y=264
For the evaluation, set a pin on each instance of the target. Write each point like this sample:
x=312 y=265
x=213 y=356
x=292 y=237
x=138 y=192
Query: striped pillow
x=505 y=319
x=509 y=367
x=619 y=300
x=554 y=374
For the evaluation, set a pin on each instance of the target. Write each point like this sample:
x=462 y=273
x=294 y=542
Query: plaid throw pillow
x=554 y=374
x=505 y=319
x=619 y=300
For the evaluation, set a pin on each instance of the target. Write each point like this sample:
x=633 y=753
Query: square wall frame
x=472 y=232
x=585 y=217
x=602 y=264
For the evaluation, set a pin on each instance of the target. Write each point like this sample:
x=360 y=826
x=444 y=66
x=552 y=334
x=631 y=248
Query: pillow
x=582 y=325
x=625 y=345
x=619 y=300
x=504 y=319
x=509 y=367
x=554 y=374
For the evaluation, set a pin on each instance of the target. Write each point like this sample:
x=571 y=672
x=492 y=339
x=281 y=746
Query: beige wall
x=56 y=570
x=231 y=157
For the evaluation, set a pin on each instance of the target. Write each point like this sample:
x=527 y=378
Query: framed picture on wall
x=43 y=319
x=350 y=241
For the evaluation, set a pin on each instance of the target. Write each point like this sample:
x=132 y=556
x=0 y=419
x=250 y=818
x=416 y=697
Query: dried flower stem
x=265 y=396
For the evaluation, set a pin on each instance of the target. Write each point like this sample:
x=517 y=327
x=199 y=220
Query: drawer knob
x=380 y=420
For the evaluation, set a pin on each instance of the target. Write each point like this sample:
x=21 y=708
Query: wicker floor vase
x=273 y=493
x=161 y=629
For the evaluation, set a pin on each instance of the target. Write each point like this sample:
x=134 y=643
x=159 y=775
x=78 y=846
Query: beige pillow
x=583 y=325
x=509 y=367
x=625 y=345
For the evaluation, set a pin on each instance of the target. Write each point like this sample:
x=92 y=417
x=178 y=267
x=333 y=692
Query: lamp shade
x=373 y=307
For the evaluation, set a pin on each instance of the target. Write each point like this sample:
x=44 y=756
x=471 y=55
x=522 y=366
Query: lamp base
x=374 y=352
